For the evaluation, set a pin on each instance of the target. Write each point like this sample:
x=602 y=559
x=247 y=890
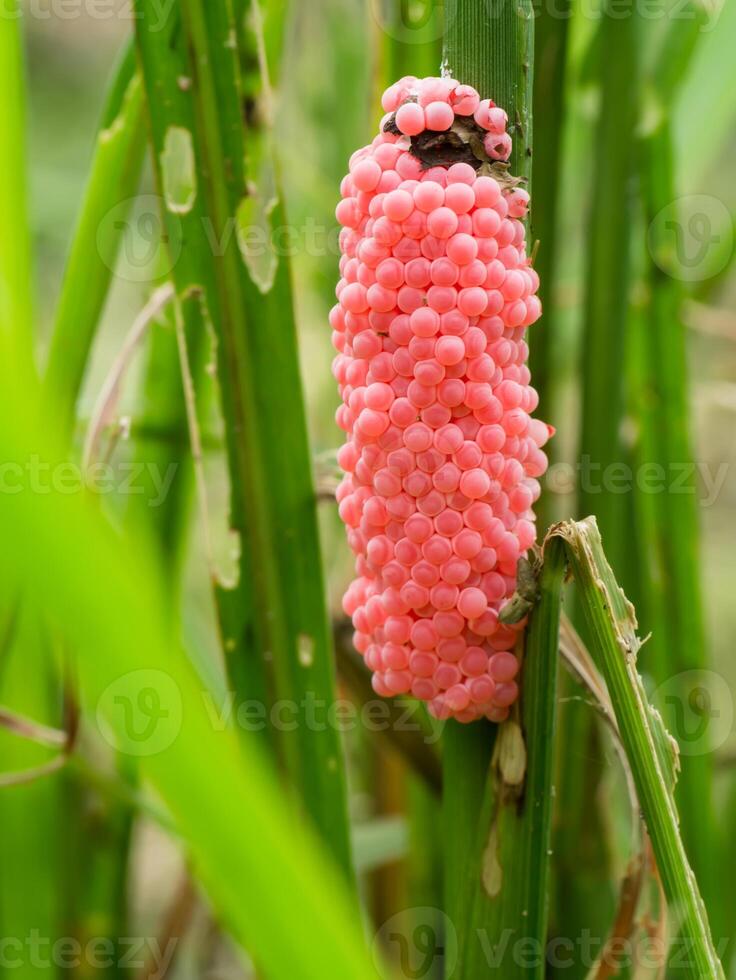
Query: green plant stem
x=611 y=622
x=491 y=46
x=275 y=630
x=660 y=396
x=551 y=30
x=466 y=756
x=166 y=74
x=114 y=177
x=584 y=891
x=511 y=859
x=267 y=437
x=538 y=715
x=669 y=521
x=607 y=281
x=586 y=900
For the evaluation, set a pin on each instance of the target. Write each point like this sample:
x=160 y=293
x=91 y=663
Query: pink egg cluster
x=442 y=457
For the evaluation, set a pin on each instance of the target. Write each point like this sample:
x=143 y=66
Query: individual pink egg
x=464 y=99
x=462 y=249
x=442 y=222
x=438 y=116
x=498 y=146
x=444 y=271
x=410 y=118
x=398 y=205
x=450 y=350
x=459 y=198
x=503 y=666
x=472 y=603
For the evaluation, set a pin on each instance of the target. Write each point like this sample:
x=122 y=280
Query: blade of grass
x=80 y=306
x=272 y=497
x=551 y=29
x=606 y=286
x=585 y=895
x=651 y=752
x=191 y=245
x=705 y=112
x=272 y=477
x=30 y=841
x=466 y=755
x=113 y=180
x=669 y=521
x=248 y=847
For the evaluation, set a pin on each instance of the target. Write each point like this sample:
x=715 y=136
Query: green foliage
x=121 y=623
